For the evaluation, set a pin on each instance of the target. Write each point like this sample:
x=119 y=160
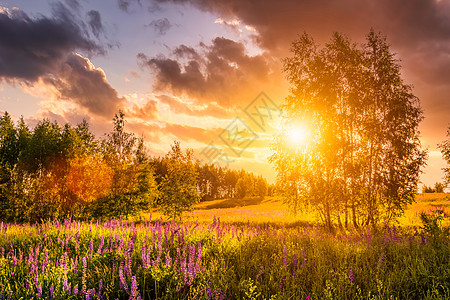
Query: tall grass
x=155 y=259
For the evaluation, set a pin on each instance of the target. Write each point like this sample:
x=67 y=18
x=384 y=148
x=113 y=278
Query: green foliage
x=445 y=150
x=432 y=226
x=179 y=187
x=438 y=188
x=133 y=187
x=57 y=172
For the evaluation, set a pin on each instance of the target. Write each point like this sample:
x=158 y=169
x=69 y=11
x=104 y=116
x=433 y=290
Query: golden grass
x=272 y=210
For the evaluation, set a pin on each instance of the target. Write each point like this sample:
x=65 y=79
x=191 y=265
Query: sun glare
x=297 y=135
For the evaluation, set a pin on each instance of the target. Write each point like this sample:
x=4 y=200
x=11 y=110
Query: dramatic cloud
x=160 y=26
x=80 y=82
x=222 y=72
x=148 y=111
x=95 y=22
x=30 y=48
x=40 y=54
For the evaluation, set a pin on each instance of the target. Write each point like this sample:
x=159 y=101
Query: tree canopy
x=362 y=157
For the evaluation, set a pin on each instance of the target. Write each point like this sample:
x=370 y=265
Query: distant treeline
x=59 y=172
x=438 y=188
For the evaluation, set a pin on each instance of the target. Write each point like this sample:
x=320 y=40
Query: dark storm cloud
x=277 y=23
x=42 y=52
x=80 y=82
x=218 y=72
x=30 y=48
x=160 y=26
x=95 y=22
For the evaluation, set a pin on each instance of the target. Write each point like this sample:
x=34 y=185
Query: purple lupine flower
x=183 y=268
x=100 y=288
x=168 y=261
x=36 y=274
x=89 y=294
x=83 y=277
x=350 y=275
x=285 y=259
x=191 y=263
x=261 y=271
x=75 y=290
x=39 y=291
x=380 y=260
x=122 y=280
x=66 y=286
x=177 y=260
x=91 y=249
x=294 y=265
x=143 y=256
x=2 y=291
x=423 y=238
x=282 y=283
x=52 y=292
x=133 y=288
x=100 y=247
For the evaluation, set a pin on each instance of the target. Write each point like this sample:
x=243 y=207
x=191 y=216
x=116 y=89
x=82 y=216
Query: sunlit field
x=225 y=249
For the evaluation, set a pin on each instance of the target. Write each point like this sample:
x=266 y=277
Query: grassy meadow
x=227 y=249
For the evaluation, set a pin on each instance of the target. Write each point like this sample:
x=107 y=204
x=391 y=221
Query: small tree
x=179 y=186
x=133 y=186
x=445 y=150
x=438 y=187
x=241 y=189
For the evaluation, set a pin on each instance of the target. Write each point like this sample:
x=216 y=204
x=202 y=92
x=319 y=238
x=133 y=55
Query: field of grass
x=225 y=249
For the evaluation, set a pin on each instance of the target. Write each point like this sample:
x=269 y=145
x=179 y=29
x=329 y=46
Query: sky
x=205 y=72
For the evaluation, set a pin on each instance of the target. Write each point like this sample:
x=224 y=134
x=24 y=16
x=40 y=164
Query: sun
x=297 y=135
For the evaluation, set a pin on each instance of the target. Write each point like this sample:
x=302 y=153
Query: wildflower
x=294 y=265
x=168 y=262
x=89 y=294
x=285 y=257
x=122 y=280
x=66 y=286
x=380 y=260
x=368 y=237
x=2 y=291
x=100 y=287
x=75 y=290
x=100 y=247
x=83 y=277
x=133 y=287
x=91 y=249
x=261 y=271
x=39 y=292
x=350 y=275
x=52 y=292
x=283 y=283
